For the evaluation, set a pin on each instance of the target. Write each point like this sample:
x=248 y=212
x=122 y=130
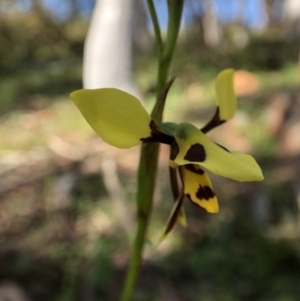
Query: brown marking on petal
x=205 y=193
x=157 y=135
x=227 y=150
x=198 y=206
x=174 y=150
x=214 y=122
x=173 y=172
x=189 y=197
x=175 y=215
x=192 y=168
x=196 y=153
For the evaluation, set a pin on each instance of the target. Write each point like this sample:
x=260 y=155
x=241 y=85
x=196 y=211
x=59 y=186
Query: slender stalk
x=153 y=15
x=148 y=164
x=149 y=152
x=213 y=123
x=174 y=14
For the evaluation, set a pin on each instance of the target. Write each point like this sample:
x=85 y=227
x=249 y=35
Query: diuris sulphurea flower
x=120 y=120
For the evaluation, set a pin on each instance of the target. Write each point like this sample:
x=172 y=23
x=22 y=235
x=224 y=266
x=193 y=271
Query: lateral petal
x=116 y=116
x=195 y=147
x=226 y=98
x=198 y=188
x=182 y=218
x=177 y=192
x=175 y=213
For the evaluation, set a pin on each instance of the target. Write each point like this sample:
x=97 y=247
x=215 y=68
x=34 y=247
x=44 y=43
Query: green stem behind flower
x=159 y=42
x=148 y=163
x=165 y=58
x=149 y=152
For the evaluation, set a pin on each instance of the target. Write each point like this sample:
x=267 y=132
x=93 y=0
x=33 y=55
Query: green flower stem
x=174 y=14
x=159 y=42
x=145 y=193
x=149 y=152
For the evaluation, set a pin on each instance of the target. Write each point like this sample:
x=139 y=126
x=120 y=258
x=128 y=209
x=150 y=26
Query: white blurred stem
x=108 y=47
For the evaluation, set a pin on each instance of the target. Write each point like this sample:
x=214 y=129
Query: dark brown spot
x=157 y=135
x=205 y=193
x=198 y=206
x=153 y=126
x=193 y=168
x=189 y=197
x=174 y=150
x=196 y=153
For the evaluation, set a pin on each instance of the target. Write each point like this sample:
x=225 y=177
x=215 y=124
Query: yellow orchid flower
x=120 y=120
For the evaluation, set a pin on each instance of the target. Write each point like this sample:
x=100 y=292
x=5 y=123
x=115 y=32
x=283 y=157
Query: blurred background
x=67 y=200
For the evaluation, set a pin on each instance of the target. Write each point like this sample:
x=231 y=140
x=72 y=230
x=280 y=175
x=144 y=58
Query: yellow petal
x=195 y=147
x=116 y=116
x=226 y=99
x=198 y=188
x=171 y=220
